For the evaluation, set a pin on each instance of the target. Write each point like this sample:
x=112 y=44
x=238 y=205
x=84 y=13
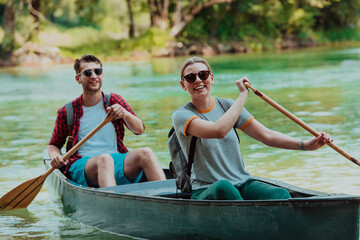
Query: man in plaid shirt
x=103 y=160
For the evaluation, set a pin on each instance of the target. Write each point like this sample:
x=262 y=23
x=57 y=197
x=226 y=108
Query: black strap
x=193 y=140
x=191 y=153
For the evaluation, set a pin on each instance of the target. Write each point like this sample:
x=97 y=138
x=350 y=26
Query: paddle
x=22 y=195
x=299 y=122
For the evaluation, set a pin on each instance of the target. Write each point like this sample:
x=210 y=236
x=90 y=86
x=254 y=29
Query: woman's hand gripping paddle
x=24 y=194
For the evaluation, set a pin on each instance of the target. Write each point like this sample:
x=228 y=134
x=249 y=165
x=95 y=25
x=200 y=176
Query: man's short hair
x=85 y=58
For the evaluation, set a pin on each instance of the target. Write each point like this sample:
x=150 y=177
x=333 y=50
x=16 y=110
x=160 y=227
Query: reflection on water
x=40 y=221
x=320 y=86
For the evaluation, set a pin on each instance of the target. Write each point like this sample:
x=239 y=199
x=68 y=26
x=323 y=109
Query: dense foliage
x=271 y=20
x=122 y=26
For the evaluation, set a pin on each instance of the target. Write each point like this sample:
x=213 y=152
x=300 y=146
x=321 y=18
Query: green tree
x=131 y=19
x=183 y=13
x=338 y=14
x=269 y=20
x=8 y=43
x=20 y=16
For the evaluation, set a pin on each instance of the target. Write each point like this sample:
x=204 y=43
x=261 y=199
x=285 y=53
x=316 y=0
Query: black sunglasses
x=88 y=72
x=191 y=77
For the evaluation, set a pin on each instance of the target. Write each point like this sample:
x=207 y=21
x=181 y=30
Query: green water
x=320 y=86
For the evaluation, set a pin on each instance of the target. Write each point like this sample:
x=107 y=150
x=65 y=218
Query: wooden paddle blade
x=22 y=195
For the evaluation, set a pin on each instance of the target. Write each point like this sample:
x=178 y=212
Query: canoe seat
x=164 y=188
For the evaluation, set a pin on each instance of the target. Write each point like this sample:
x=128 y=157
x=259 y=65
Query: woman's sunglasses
x=191 y=77
x=88 y=72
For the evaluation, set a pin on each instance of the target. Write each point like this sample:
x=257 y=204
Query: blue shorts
x=77 y=170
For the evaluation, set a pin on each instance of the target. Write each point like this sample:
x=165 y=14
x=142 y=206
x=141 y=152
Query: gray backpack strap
x=108 y=96
x=70 y=124
x=69 y=113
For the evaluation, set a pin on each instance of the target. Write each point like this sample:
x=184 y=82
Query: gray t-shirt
x=104 y=141
x=216 y=158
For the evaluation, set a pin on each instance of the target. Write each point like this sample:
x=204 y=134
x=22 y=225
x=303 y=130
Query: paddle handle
x=299 y=122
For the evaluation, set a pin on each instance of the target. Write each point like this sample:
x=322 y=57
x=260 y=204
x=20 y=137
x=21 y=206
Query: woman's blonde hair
x=190 y=61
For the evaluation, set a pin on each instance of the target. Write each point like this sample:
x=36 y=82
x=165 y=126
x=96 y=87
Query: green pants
x=250 y=190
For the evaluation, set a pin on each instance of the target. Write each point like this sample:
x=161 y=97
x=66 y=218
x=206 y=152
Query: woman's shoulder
x=184 y=110
x=224 y=100
x=186 y=107
x=225 y=103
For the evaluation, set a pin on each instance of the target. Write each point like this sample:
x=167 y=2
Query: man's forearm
x=134 y=123
x=53 y=151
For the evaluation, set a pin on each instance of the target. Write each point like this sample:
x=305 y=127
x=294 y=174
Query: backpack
x=70 y=120
x=179 y=166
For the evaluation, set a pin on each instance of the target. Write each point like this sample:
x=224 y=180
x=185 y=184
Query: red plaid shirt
x=60 y=132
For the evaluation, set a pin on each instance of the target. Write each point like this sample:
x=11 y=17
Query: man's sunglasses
x=88 y=72
x=191 y=77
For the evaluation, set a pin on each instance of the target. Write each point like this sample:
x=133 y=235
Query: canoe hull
x=158 y=217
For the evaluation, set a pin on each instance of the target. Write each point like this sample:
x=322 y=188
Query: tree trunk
x=159 y=11
x=35 y=4
x=8 y=43
x=183 y=16
x=131 y=19
x=151 y=9
x=34 y=10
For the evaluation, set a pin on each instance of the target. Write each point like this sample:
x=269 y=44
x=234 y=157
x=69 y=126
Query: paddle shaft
x=300 y=122
x=79 y=144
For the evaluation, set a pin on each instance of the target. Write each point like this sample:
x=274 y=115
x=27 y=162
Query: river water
x=321 y=86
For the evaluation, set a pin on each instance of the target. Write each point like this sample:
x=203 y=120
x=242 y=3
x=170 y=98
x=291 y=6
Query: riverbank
x=34 y=54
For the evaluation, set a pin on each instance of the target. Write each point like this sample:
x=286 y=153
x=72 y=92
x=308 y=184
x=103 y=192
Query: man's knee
x=145 y=155
x=105 y=161
x=146 y=152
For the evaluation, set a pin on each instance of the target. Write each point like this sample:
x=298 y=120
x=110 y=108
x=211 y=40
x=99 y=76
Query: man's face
x=88 y=78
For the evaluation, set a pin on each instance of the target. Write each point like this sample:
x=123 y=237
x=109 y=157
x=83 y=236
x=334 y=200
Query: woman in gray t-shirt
x=218 y=171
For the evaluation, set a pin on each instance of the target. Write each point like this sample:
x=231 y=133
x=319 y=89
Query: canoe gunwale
x=153 y=217
x=323 y=200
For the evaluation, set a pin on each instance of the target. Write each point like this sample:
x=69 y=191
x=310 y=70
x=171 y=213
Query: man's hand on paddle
x=57 y=161
x=317 y=142
x=117 y=111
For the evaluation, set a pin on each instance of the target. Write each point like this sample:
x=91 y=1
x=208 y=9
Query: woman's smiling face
x=199 y=87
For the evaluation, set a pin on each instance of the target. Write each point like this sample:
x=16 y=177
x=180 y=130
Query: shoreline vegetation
x=43 y=32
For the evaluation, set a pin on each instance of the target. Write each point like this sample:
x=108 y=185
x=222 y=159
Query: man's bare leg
x=143 y=159
x=99 y=171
